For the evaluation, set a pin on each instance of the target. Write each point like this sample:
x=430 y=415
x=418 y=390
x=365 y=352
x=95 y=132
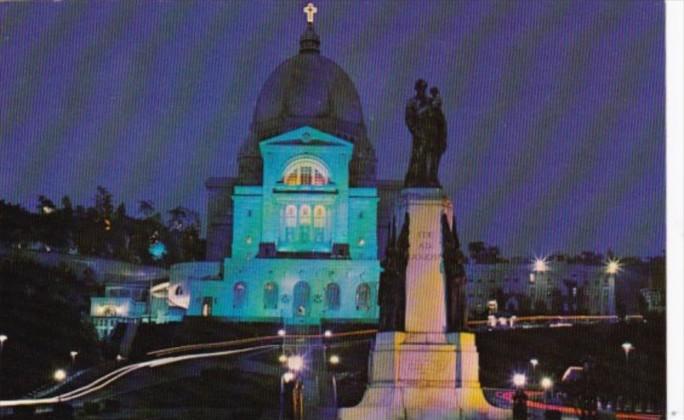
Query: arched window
x=319 y=223
x=239 y=295
x=305 y=223
x=270 y=295
x=290 y=222
x=305 y=171
x=301 y=301
x=363 y=297
x=332 y=296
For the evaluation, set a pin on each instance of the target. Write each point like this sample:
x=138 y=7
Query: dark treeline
x=104 y=230
x=43 y=313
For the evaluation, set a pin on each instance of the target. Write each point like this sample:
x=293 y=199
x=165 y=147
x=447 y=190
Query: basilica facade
x=294 y=236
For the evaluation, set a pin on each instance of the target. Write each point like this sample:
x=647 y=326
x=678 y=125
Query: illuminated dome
x=309 y=89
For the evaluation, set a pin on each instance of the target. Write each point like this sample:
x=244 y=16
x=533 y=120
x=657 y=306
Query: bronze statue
x=455 y=277
x=392 y=293
x=425 y=120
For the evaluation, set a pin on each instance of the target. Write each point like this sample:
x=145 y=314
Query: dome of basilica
x=309 y=89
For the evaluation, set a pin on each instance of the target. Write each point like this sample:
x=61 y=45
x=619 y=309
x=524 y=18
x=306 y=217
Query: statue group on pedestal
x=392 y=293
x=425 y=120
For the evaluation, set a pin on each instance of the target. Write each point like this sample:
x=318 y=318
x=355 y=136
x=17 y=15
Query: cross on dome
x=310 y=10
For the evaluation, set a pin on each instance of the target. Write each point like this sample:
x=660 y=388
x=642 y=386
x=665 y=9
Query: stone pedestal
x=424 y=373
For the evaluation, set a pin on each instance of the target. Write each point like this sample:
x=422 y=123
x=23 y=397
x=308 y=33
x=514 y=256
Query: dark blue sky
x=555 y=108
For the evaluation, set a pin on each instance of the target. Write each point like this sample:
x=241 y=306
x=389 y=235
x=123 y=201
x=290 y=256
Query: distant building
x=529 y=287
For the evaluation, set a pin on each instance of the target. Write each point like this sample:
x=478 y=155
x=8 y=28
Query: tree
x=103 y=203
x=146 y=208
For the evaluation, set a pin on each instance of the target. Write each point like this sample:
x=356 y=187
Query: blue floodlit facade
x=294 y=236
x=304 y=243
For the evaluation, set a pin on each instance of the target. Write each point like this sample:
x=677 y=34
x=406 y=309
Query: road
x=108 y=379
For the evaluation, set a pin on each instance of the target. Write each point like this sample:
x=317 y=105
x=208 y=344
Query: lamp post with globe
x=519 y=398
x=3 y=338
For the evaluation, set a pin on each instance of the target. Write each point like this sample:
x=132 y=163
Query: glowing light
x=157 y=250
x=3 y=338
x=59 y=375
x=362 y=242
x=48 y=209
x=334 y=359
x=282 y=332
x=73 y=354
x=119 y=358
x=534 y=362
x=546 y=383
x=627 y=347
x=295 y=363
x=327 y=333
x=613 y=267
x=288 y=377
x=108 y=224
x=282 y=358
x=540 y=265
x=310 y=10
x=248 y=240
x=519 y=380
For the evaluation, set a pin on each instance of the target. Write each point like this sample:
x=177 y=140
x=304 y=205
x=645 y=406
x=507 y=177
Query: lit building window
x=305 y=223
x=332 y=296
x=305 y=172
x=239 y=295
x=319 y=223
x=363 y=300
x=290 y=222
x=270 y=296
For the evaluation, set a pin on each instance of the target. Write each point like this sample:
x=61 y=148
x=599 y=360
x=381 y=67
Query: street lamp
x=282 y=358
x=59 y=375
x=627 y=347
x=286 y=378
x=3 y=338
x=73 y=354
x=282 y=332
x=334 y=361
x=327 y=333
x=534 y=362
x=546 y=384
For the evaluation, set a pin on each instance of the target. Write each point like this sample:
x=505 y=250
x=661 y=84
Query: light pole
x=73 y=354
x=534 y=362
x=287 y=377
x=519 y=398
x=3 y=338
x=334 y=361
x=546 y=384
x=627 y=347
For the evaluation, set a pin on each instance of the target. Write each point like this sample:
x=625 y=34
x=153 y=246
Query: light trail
x=508 y=397
x=123 y=371
x=205 y=346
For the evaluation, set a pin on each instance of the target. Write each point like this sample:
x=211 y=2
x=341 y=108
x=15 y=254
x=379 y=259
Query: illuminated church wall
x=304 y=243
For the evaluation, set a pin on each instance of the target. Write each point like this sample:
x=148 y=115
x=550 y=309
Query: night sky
x=555 y=109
